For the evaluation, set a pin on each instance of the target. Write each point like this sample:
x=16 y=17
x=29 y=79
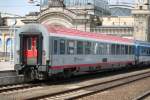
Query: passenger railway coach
x=44 y=51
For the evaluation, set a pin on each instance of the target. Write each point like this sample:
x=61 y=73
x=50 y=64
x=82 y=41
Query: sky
x=22 y=7
x=19 y=7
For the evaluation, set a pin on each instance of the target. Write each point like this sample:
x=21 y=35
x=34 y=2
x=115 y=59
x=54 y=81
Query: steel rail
x=94 y=88
x=142 y=96
x=17 y=87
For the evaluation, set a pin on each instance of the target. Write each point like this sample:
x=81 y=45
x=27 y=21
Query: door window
x=55 y=46
x=29 y=43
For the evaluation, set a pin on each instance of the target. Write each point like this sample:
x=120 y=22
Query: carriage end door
x=30 y=50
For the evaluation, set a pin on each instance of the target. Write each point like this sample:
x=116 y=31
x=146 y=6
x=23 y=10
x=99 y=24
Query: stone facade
x=141 y=15
x=64 y=17
x=133 y=27
x=81 y=19
x=7 y=35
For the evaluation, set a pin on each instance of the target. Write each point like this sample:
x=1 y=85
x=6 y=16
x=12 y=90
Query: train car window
x=121 y=50
x=143 y=51
x=126 y=49
x=92 y=47
x=149 y=51
x=105 y=49
x=100 y=48
x=108 y=49
x=62 y=46
x=55 y=47
x=80 y=47
x=87 y=47
x=118 y=50
x=29 y=43
x=113 y=47
x=71 y=45
x=131 y=50
x=95 y=48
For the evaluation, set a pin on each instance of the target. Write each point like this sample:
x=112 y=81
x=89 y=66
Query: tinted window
x=113 y=49
x=100 y=48
x=122 y=50
x=118 y=49
x=55 y=46
x=126 y=49
x=62 y=46
x=132 y=52
x=79 y=47
x=95 y=49
x=29 y=43
x=87 y=48
x=71 y=45
x=108 y=49
x=131 y=49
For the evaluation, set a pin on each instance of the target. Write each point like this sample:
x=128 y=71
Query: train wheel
x=67 y=74
x=29 y=74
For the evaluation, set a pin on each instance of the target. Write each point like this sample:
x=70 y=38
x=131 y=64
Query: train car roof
x=58 y=31
x=48 y=30
x=142 y=43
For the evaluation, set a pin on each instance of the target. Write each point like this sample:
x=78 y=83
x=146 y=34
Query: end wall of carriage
x=34 y=29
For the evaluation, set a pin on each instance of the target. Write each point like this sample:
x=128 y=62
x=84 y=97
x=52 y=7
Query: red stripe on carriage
x=87 y=65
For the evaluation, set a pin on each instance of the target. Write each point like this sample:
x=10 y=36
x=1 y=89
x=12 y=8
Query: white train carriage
x=43 y=50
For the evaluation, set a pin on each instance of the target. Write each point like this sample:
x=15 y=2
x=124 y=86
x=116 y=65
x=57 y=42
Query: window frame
x=60 y=48
x=69 y=48
x=30 y=43
x=87 y=49
x=79 y=47
x=56 y=46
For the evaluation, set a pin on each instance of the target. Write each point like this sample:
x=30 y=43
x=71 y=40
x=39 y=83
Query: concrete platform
x=9 y=80
x=8 y=75
x=6 y=66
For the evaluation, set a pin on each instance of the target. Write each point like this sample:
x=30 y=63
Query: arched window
x=9 y=44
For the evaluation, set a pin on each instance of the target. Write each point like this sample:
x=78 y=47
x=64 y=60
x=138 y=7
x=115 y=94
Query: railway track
x=143 y=96
x=17 y=87
x=93 y=88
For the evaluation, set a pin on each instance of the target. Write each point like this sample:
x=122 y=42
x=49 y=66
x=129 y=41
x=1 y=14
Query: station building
x=8 y=26
x=86 y=15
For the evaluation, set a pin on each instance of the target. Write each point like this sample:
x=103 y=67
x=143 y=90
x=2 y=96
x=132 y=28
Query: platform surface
x=6 y=66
